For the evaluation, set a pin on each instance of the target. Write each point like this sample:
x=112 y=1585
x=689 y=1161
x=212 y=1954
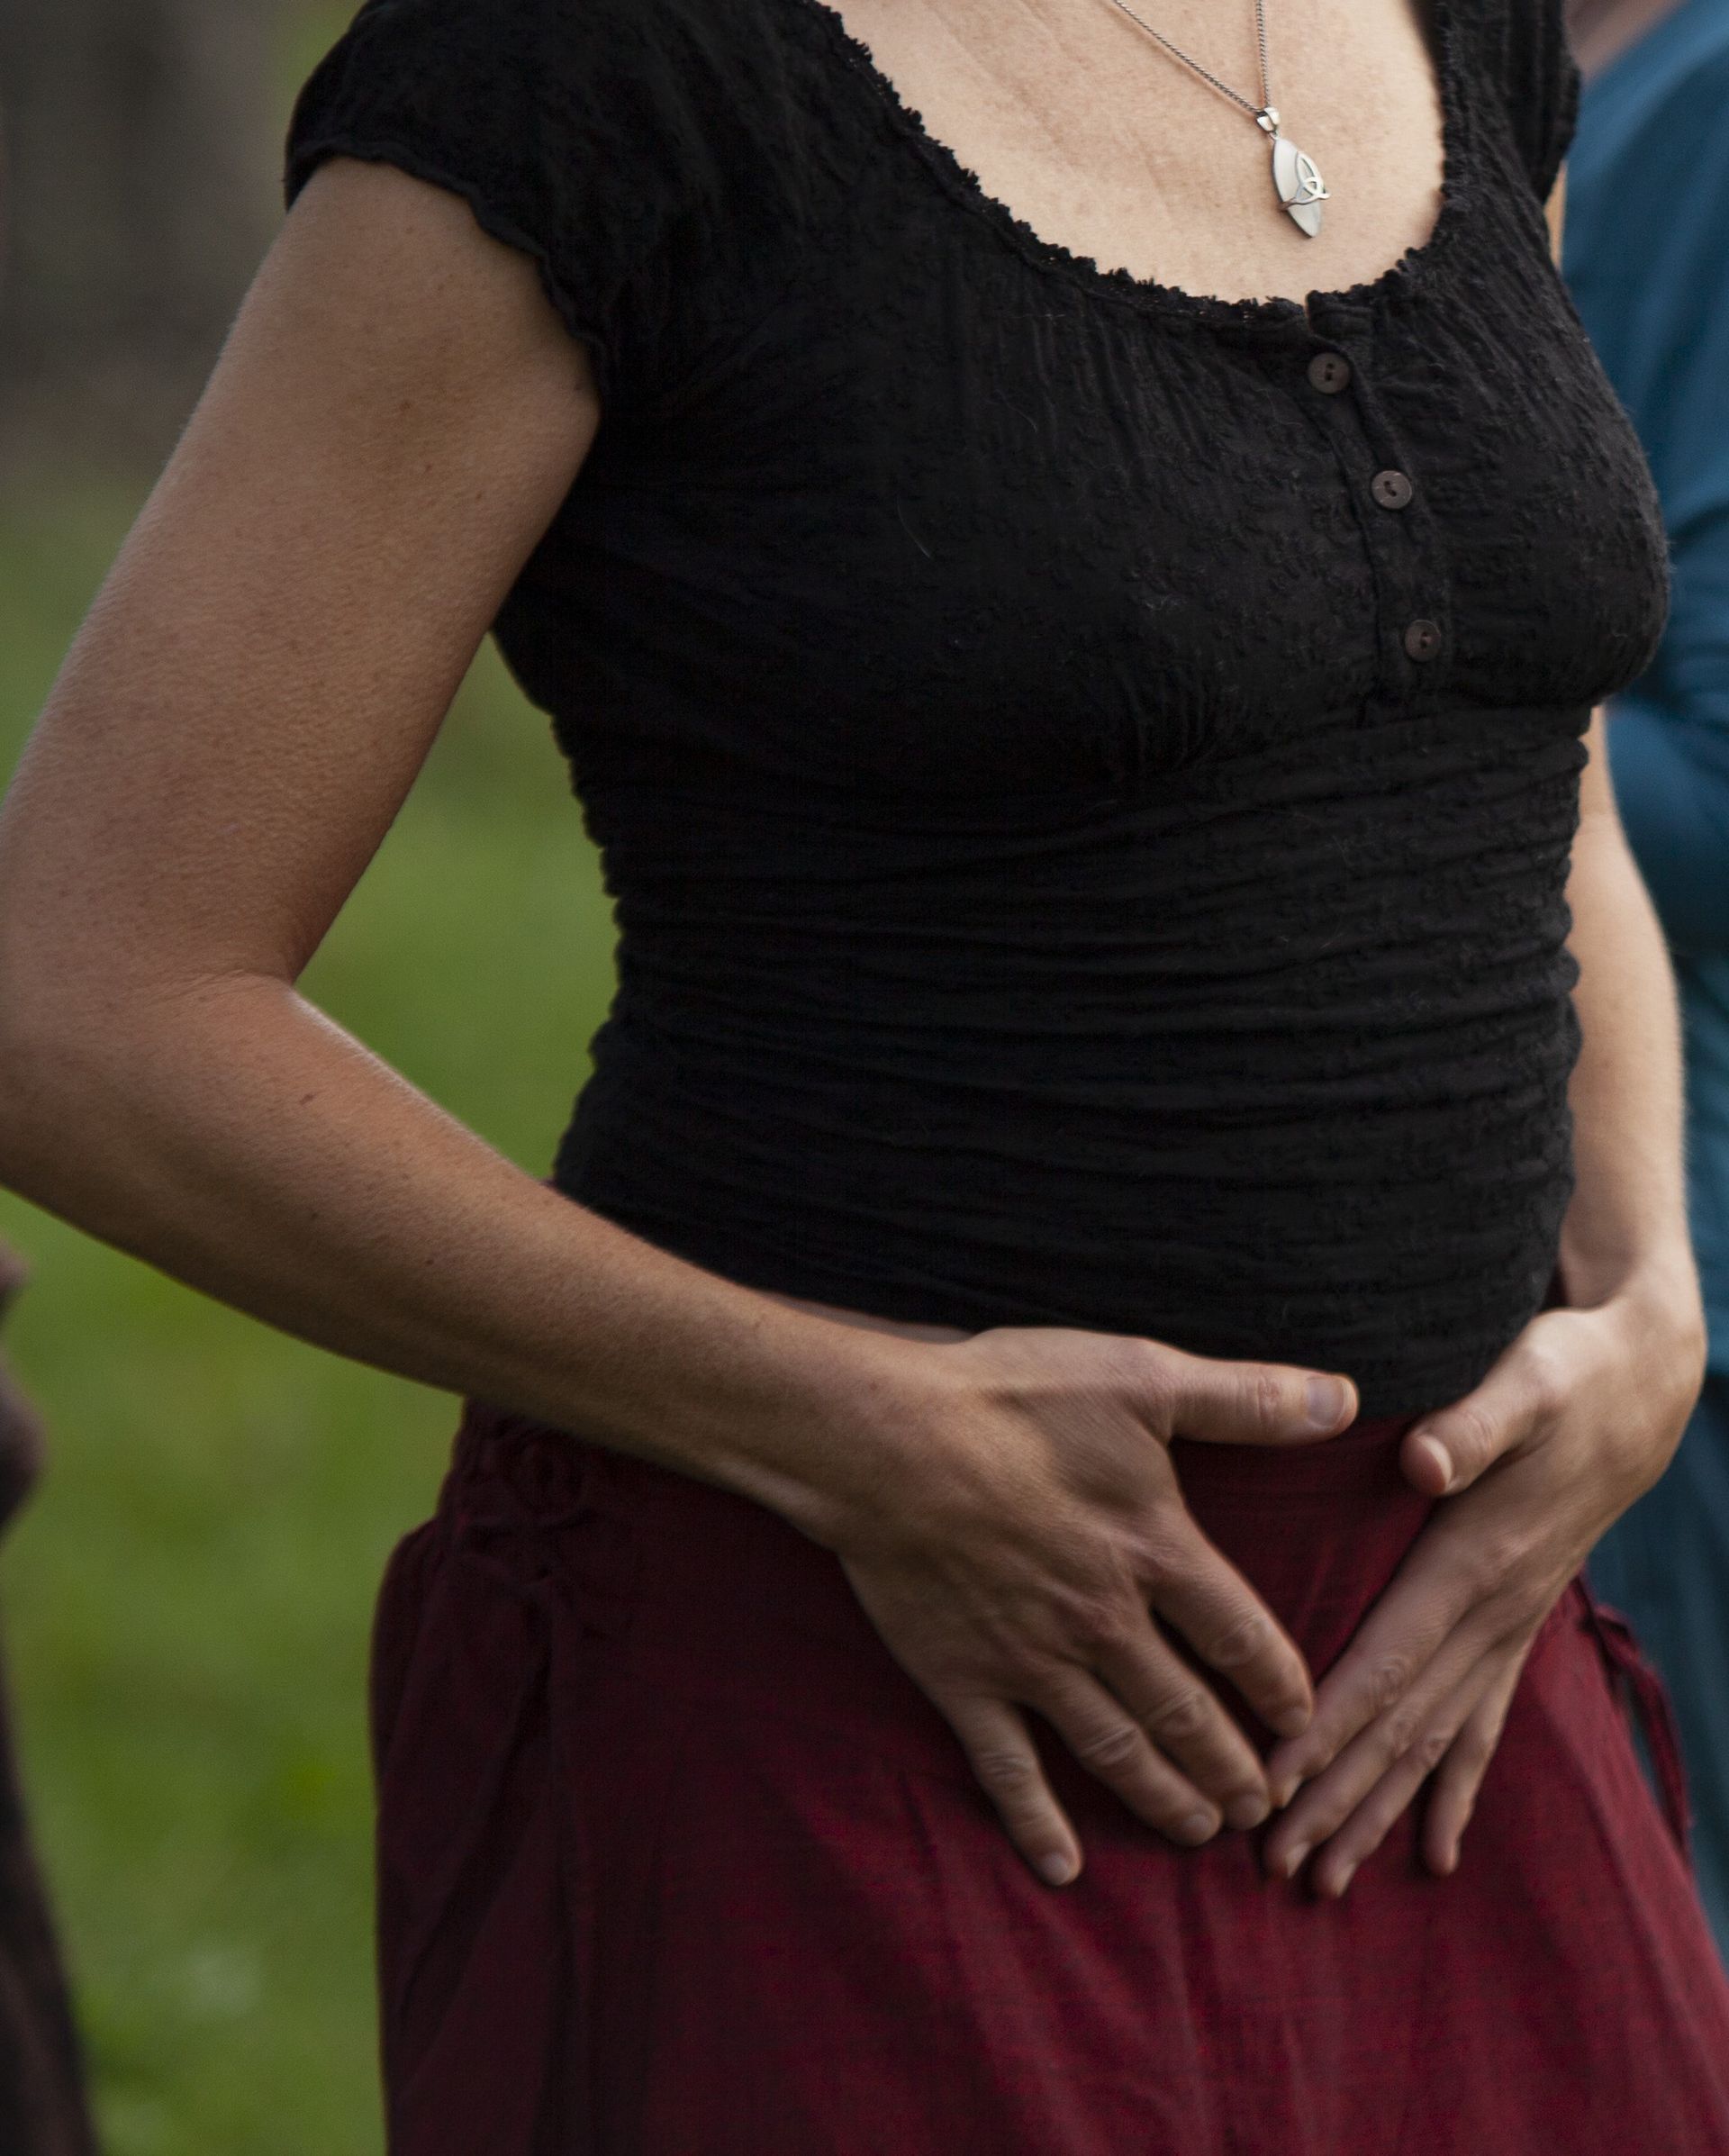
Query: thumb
x=1256 y=1403
x=1445 y=1452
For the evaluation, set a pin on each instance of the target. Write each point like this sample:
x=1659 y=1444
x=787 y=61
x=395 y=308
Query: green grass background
x=186 y=1600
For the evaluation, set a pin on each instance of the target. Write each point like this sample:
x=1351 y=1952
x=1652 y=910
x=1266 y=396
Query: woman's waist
x=1403 y=1254
x=672 y=1582
x=1260 y=1077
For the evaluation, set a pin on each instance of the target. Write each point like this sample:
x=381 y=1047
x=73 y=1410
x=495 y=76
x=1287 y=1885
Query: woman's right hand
x=1037 y=1531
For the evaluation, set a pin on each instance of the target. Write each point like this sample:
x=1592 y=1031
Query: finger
x=1337 y=1858
x=1438 y=1585
x=1248 y=1403
x=1323 y=1805
x=1111 y=1744
x=1445 y=1452
x=1183 y=1720
x=1005 y=1764
x=1460 y=1776
x=1202 y=1596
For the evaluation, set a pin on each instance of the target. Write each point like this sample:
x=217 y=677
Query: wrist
x=841 y=1429
x=1655 y=1299
x=1665 y=1302
x=1656 y=1274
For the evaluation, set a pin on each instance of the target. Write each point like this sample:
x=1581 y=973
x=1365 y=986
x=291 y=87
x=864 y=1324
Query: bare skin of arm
x=394 y=420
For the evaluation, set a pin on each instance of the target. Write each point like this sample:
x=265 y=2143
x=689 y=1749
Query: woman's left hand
x=1578 y=1418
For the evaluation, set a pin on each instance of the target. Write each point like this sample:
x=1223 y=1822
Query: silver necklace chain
x=1224 y=89
x=1298 y=184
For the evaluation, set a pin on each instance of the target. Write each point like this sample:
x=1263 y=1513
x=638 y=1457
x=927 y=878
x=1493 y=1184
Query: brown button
x=1329 y=372
x=1393 y=490
x=1422 y=639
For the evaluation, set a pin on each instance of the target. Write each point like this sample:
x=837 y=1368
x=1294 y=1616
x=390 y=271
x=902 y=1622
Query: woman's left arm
x=1577 y=1419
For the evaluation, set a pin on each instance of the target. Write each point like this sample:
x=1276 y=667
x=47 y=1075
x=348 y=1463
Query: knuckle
x=1244 y=1640
x=1118 y=1362
x=1389 y=1681
x=1159 y=1562
x=1500 y=1556
x=1157 y=1382
x=1545 y=1382
x=1430 y=1750
x=1153 y=1363
x=1402 y=1727
x=1005 y=1773
x=1105 y=1626
x=1409 y=1730
x=1268 y=1399
x=1178 y=1719
x=1109 y=1748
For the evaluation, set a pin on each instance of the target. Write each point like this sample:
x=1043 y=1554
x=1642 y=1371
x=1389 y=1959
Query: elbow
x=28 y=1058
x=97 y=1044
x=52 y=1055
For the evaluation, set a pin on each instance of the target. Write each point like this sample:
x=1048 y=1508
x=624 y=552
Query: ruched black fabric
x=1080 y=856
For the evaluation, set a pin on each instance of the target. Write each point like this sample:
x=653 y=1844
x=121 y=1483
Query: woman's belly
x=1269 y=1062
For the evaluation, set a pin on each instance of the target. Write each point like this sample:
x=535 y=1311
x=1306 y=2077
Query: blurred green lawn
x=186 y=1600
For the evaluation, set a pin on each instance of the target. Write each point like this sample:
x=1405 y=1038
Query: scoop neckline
x=1401 y=280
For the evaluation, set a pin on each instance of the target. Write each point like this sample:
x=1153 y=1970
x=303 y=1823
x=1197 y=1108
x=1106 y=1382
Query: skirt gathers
x=675 y=1861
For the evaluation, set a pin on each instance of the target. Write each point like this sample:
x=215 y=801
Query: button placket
x=1398 y=533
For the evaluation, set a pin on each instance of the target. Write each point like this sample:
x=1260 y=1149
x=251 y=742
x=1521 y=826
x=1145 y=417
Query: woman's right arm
x=394 y=420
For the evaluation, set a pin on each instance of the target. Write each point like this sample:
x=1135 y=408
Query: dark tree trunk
x=141 y=193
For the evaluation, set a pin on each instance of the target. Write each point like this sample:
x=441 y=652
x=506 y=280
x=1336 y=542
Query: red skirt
x=675 y=1861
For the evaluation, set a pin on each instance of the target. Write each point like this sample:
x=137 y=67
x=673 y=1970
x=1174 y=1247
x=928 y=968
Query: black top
x=1087 y=847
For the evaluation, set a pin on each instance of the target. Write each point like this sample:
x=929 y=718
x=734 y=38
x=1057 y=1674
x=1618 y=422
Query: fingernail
x=1056 y=1869
x=1327 y=1397
x=1337 y=1888
x=1292 y=1721
x=1198 y=1827
x=1433 y=1449
x=1247 y=1809
x=1293 y=1862
x=1283 y=1787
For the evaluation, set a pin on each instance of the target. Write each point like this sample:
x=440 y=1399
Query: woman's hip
x=672 y=1855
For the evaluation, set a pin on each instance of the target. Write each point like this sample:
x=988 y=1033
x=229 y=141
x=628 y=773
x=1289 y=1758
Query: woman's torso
x=1082 y=851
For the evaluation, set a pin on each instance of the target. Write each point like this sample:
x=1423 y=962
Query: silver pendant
x=1300 y=185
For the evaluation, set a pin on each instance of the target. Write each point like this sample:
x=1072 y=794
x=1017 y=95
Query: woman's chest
x=1127 y=129
x=951 y=517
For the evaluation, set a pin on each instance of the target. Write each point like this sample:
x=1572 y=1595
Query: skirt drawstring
x=1649 y=1701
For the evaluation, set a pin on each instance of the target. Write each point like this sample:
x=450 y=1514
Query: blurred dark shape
x=138 y=206
x=43 y=2110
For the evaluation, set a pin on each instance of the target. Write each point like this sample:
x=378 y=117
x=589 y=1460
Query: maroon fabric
x=43 y=2109
x=675 y=1859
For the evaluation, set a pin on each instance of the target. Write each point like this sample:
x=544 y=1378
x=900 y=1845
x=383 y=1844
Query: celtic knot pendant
x=1300 y=185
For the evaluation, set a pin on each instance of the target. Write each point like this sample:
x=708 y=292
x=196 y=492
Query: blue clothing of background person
x=1646 y=252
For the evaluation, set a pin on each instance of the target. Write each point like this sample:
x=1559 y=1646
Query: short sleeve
x=1541 y=81
x=566 y=125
